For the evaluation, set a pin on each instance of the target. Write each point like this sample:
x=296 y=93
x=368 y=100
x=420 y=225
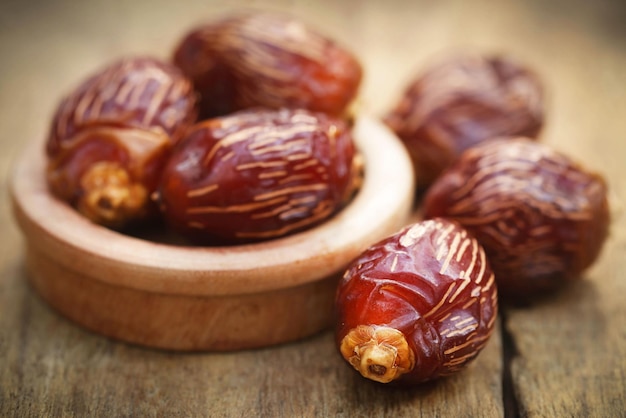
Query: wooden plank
x=57 y=369
x=569 y=358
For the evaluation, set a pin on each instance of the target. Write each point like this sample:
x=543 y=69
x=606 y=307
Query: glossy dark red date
x=462 y=101
x=416 y=306
x=111 y=135
x=541 y=217
x=268 y=60
x=259 y=174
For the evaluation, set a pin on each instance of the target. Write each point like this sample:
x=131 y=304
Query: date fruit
x=197 y=57
x=461 y=102
x=259 y=174
x=139 y=92
x=541 y=217
x=416 y=306
x=268 y=60
x=111 y=135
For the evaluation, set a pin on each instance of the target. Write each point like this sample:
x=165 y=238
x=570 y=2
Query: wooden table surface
x=561 y=357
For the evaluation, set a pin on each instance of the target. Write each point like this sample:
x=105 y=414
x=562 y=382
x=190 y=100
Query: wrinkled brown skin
x=432 y=282
x=127 y=115
x=258 y=174
x=462 y=101
x=541 y=217
x=137 y=92
x=268 y=60
x=105 y=179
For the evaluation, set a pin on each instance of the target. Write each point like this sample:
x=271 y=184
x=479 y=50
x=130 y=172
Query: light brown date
x=462 y=101
x=259 y=174
x=541 y=217
x=111 y=135
x=416 y=306
x=269 y=60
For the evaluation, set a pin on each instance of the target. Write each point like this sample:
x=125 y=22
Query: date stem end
x=110 y=197
x=379 y=353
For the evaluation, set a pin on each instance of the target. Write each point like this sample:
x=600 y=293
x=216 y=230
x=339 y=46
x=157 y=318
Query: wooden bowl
x=181 y=297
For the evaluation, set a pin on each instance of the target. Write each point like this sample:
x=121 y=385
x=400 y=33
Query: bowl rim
x=55 y=230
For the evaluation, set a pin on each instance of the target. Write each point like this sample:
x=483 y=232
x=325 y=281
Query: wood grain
x=569 y=348
x=73 y=373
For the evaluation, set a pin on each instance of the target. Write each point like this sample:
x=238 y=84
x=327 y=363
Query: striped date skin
x=259 y=174
x=269 y=60
x=132 y=93
x=462 y=101
x=541 y=217
x=111 y=136
x=416 y=306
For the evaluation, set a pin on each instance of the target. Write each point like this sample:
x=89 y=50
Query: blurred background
x=47 y=46
x=577 y=46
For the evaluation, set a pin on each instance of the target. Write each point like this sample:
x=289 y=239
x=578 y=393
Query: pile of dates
x=503 y=215
x=246 y=136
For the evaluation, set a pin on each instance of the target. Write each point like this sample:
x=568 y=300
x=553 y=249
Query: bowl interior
x=382 y=205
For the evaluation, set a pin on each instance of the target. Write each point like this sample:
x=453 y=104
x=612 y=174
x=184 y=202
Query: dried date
x=259 y=174
x=197 y=56
x=416 y=306
x=111 y=135
x=541 y=217
x=268 y=60
x=140 y=92
x=462 y=101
